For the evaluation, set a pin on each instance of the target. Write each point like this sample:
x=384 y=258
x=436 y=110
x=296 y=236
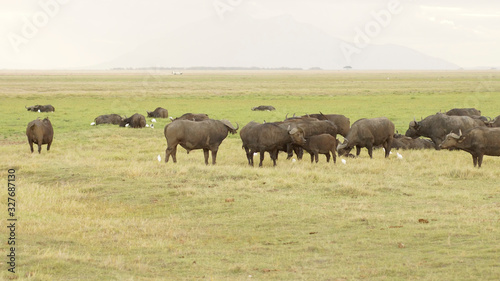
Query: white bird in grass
x=159 y=158
x=152 y=126
x=92 y=124
x=126 y=125
x=147 y=126
x=293 y=160
x=343 y=161
x=399 y=155
x=153 y=120
x=39 y=110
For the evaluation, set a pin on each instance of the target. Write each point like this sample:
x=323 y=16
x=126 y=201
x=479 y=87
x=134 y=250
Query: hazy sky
x=68 y=33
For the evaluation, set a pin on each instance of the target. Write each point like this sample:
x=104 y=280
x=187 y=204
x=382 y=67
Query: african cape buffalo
x=368 y=133
x=495 y=122
x=463 y=112
x=267 y=137
x=135 y=121
x=343 y=123
x=263 y=108
x=159 y=112
x=477 y=141
x=320 y=144
x=437 y=126
x=207 y=135
x=40 y=132
x=404 y=142
x=41 y=108
x=114 y=119
x=192 y=117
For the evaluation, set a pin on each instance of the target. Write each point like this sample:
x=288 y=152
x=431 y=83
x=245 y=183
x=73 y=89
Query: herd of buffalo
x=459 y=128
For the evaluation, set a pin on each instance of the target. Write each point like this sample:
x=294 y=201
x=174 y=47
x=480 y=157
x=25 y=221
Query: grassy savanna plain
x=99 y=205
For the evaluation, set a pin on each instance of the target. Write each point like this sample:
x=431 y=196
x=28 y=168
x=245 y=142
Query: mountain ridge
x=273 y=43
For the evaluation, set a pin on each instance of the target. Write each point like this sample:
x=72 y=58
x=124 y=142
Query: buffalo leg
x=171 y=150
x=31 y=144
x=370 y=151
x=474 y=160
x=274 y=156
x=290 y=148
x=316 y=157
x=387 y=149
x=261 y=158
x=312 y=157
x=39 y=147
x=214 y=156
x=249 y=154
x=48 y=146
x=205 y=153
x=334 y=156
x=480 y=160
x=358 y=150
x=327 y=157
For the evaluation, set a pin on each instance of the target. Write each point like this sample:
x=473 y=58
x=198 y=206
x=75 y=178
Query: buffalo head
x=452 y=140
x=228 y=124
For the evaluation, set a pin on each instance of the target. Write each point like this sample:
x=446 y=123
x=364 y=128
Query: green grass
x=99 y=206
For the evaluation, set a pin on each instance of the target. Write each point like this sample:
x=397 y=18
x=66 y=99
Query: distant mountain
x=243 y=41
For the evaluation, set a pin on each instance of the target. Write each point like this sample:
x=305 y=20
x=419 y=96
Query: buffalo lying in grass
x=114 y=119
x=159 y=112
x=192 y=117
x=41 y=108
x=135 y=121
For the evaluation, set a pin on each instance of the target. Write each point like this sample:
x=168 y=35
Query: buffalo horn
x=227 y=123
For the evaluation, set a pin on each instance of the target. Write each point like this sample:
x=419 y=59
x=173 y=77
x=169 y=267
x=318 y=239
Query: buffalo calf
x=320 y=144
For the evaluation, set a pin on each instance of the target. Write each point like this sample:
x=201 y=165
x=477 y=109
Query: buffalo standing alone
x=40 y=132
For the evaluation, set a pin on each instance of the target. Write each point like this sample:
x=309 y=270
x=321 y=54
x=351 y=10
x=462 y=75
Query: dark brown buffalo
x=159 y=112
x=40 y=132
x=437 y=126
x=135 y=121
x=495 y=122
x=477 y=141
x=114 y=119
x=343 y=123
x=263 y=108
x=463 y=112
x=192 y=117
x=404 y=142
x=267 y=137
x=318 y=144
x=41 y=108
x=207 y=135
x=309 y=126
x=312 y=126
x=368 y=133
